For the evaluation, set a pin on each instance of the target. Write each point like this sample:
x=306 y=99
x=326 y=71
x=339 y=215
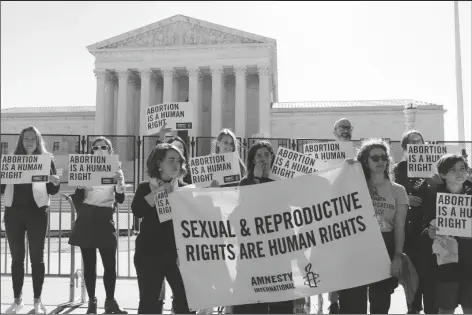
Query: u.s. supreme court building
x=229 y=76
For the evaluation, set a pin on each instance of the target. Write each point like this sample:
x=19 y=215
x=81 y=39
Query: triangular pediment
x=177 y=31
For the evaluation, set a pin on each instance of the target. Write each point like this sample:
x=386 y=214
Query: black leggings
x=89 y=256
x=33 y=222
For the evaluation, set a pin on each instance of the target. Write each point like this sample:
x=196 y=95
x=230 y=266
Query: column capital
x=240 y=70
x=193 y=72
x=216 y=70
x=263 y=70
x=145 y=73
x=122 y=74
x=100 y=73
x=111 y=78
x=168 y=72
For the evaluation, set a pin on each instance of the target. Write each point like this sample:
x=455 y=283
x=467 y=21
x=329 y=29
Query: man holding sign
x=26 y=211
x=453 y=216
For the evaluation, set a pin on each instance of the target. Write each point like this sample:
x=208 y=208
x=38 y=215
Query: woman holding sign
x=390 y=203
x=95 y=229
x=26 y=210
x=454 y=273
x=260 y=158
x=156 y=252
x=226 y=142
x=180 y=144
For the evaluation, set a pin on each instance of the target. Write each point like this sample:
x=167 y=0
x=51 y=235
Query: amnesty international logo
x=311 y=278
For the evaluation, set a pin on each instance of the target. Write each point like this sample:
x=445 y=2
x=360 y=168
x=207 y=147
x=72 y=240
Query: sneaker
x=92 y=306
x=14 y=308
x=39 y=308
x=111 y=307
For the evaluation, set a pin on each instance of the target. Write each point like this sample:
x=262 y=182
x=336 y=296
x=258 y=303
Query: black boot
x=92 y=306
x=334 y=308
x=111 y=307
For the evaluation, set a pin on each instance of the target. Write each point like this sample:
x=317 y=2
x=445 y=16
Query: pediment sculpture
x=180 y=33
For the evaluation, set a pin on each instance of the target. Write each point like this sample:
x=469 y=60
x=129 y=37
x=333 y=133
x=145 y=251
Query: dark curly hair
x=252 y=154
x=364 y=151
x=448 y=161
x=406 y=137
x=158 y=154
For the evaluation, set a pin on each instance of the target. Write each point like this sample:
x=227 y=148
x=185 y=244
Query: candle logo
x=311 y=278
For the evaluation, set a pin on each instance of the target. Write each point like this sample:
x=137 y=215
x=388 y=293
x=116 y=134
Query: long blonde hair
x=40 y=146
x=236 y=147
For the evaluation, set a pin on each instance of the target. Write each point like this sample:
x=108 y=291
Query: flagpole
x=459 y=94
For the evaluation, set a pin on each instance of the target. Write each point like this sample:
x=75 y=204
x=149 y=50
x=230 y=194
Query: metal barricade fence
x=61 y=259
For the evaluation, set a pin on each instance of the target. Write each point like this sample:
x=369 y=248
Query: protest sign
x=221 y=167
x=278 y=241
x=290 y=164
x=92 y=170
x=25 y=169
x=454 y=214
x=177 y=116
x=331 y=152
x=164 y=210
x=422 y=159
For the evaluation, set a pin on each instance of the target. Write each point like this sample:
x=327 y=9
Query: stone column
x=122 y=110
x=100 y=75
x=175 y=88
x=216 y=92
x=145 y=98
x=410 y=112
x=240 y=102
x=193 y=96
x=109 y=107
x=168 y=75
x=264 y=100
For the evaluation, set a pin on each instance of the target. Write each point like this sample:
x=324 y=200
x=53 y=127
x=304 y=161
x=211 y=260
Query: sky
x=326 y=50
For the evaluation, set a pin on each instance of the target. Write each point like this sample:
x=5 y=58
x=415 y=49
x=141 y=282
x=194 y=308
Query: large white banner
x=177 y=116
x=279 y=240
x=25 y=169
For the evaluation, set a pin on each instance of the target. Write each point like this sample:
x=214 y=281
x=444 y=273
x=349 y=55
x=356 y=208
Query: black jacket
x=153 y=235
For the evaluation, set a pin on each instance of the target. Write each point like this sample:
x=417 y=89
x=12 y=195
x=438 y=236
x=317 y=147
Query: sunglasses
x=377 y=158
x=103 y=147
x=346 y=128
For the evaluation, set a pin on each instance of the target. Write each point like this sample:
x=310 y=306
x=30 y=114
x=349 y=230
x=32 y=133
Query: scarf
x=160 y=185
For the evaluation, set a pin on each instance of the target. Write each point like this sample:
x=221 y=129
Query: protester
x=26 y=210
x=226 y=142
x=95 y=229
x=260 y=158
x=417 y=190
x=180 y=144
x=342 y=132
x=454 y=279
x=390 y=202
x=156 y=253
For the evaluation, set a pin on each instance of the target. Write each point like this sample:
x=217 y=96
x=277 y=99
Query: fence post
x=192 y=144
x=138 y=156
x=83 y=142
